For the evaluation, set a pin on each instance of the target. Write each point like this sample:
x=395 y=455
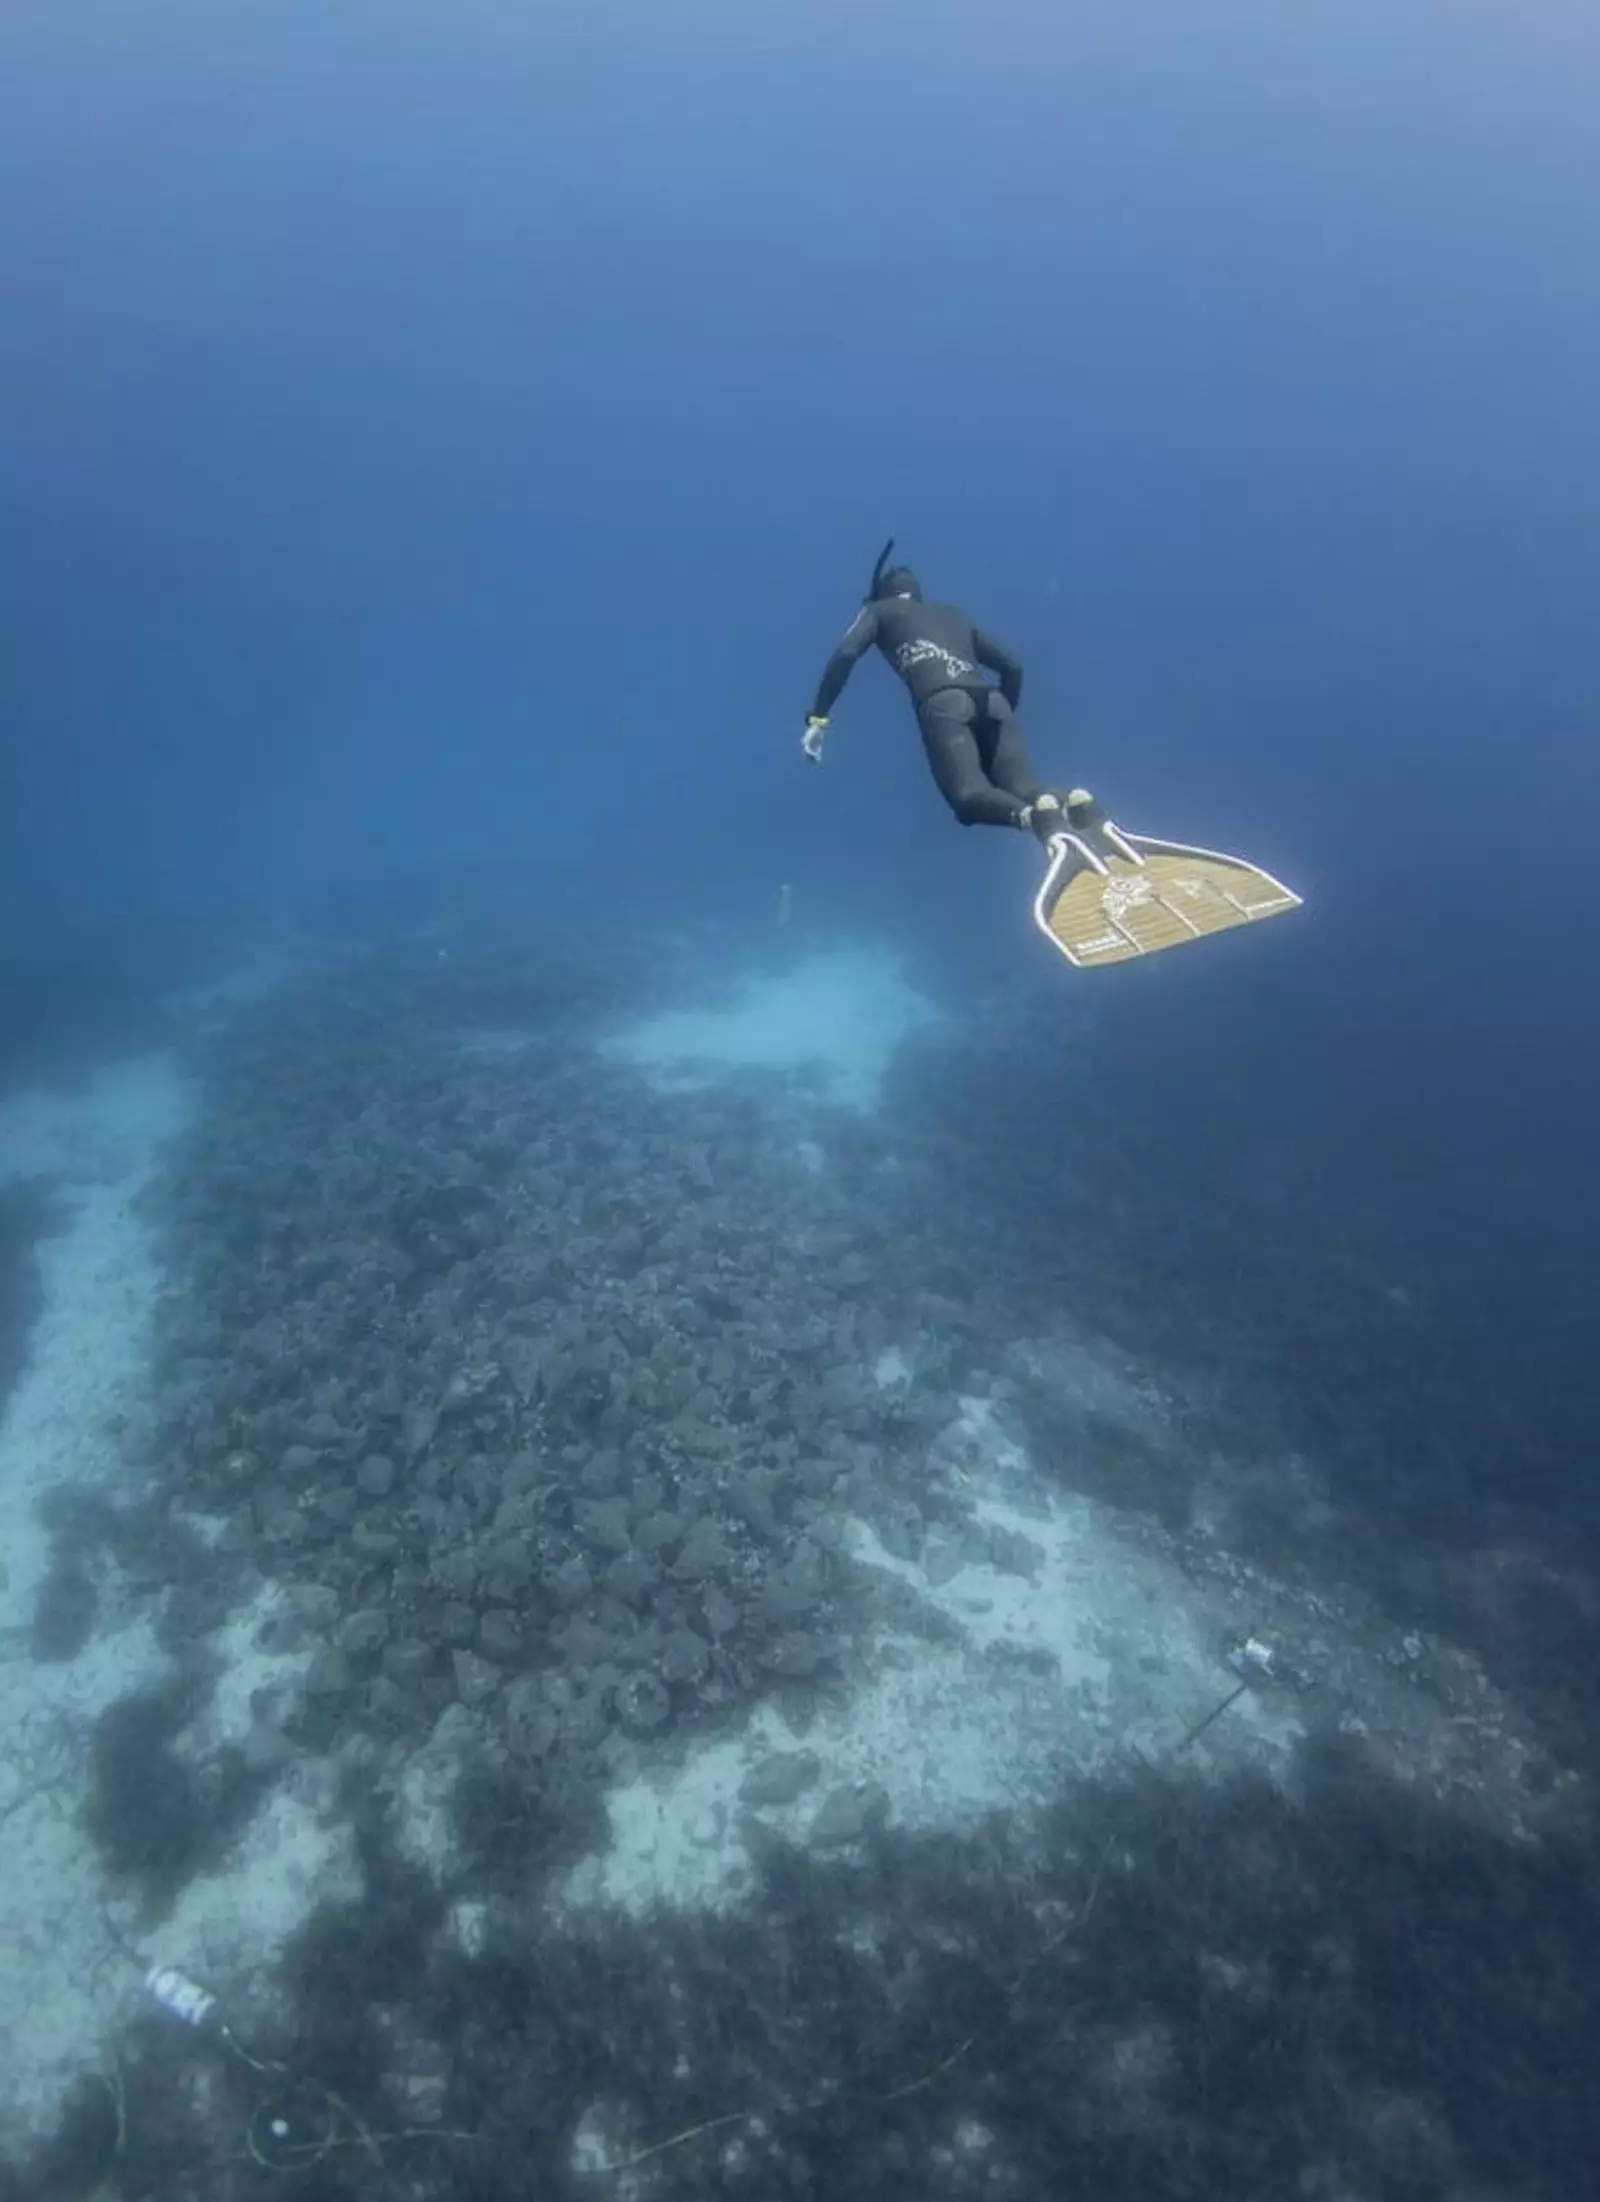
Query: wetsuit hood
x=889 y=581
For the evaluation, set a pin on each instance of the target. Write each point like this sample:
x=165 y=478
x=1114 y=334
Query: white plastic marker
x=176 y=1993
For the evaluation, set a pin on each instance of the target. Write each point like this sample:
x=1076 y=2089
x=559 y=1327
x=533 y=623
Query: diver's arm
x=862 y=634
x=1000 y=660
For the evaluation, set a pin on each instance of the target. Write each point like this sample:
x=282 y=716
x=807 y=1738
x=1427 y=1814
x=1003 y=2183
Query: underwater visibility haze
x=678 y=1517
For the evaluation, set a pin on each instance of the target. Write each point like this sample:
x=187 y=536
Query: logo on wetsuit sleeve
x=912 y=654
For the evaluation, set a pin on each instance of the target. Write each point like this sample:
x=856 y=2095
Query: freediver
x=975 y=747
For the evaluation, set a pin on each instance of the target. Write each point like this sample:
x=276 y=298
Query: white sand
x=840 y=1016
x=100 y=1279
x=65 y=1979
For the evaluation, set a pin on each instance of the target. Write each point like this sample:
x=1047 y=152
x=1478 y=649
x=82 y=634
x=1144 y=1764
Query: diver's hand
x=811 y=740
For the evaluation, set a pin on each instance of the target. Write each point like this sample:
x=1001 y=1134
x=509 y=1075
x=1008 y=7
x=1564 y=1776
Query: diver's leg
x=1004 y=751
x=947 y=722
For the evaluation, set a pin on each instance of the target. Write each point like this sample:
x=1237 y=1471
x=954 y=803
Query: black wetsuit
x=974 y=744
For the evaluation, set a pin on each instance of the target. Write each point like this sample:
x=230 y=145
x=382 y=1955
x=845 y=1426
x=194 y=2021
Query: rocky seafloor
x=645 y=1629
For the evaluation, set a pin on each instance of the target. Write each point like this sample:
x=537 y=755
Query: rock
x=266 y=1749
x=630 y=1578
x=583 y=1721
x=751 y=1499
x=375 y=1476
x=780 y=1778
x=704 y=1553
x=845 y=1815
x=585 y=1644
x=942 y=1561
x=532 y=1725
x=782 y=1601
x=476 y=1680
x=571 y=1584
x=722 y=1615
x=388 y=1703
x=522 y=1472
x=455 y=1622
x=798 y=1654
x=1014 y=1554
x=657 y=1531
x=456 y=1573
x=500 y=1636
x=406 y=1663
x=600 y=1476
x=604 y=1522
x=805 y=1571
x=684 y=1656
x=455 y=1732
x=365 y=1632
x=510 y=1563
x=642 y=1703
x=417 y=1428
x=317 y=1604
x=328 y=1674
x=900 y=1534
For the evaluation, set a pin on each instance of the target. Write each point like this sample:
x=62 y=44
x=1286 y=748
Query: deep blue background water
x=454 y=437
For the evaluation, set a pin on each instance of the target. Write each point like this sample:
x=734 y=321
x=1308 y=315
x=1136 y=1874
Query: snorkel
x=876 y=582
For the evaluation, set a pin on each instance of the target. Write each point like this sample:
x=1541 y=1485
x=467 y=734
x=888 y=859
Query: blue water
x=440 y=446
